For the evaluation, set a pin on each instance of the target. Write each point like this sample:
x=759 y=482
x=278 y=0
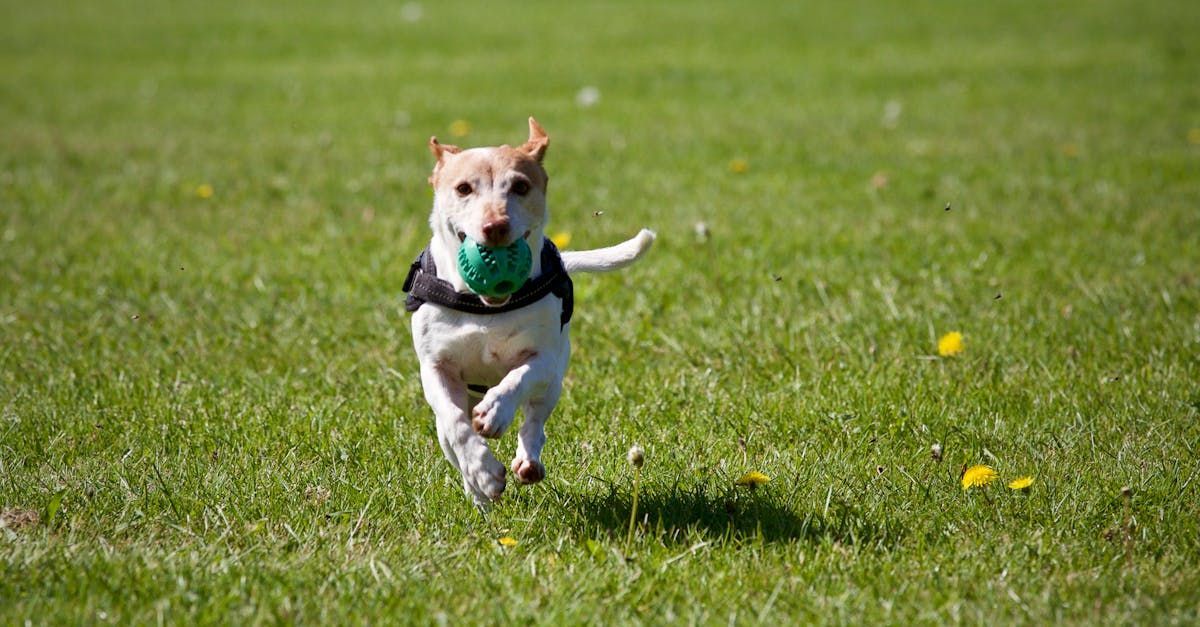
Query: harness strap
x=423 y=286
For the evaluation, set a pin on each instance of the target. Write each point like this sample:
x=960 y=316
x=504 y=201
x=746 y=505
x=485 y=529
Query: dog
x=484 y=357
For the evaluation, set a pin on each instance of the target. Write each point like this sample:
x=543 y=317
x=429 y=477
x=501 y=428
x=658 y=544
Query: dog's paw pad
x=491 y=418
x=486 y=482
x=528 y=471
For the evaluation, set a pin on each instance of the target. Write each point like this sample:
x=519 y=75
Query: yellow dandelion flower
x=739 y=166
x=1020 y=483
x=561 y=239
x=460 y=128
x=204 y=191
x=950 y=344
x=752 y=479
x=507 y=541
x=978 y=476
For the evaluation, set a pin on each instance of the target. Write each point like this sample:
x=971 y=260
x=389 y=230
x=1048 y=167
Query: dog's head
x=493 y=195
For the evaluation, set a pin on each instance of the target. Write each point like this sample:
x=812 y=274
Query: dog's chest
x=485 y=348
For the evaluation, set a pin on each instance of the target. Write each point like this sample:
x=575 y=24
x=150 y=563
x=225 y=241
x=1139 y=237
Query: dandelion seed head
x=588 y=96
x=891 y=113
x=412 y=12
x=636 y=456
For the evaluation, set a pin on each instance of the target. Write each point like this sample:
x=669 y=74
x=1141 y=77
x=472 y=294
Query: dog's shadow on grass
x=680 y=513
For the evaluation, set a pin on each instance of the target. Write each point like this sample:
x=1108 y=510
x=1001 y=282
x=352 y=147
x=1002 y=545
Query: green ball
x=494 y=272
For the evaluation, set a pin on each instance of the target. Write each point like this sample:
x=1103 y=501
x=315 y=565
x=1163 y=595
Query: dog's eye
x=463 y=189
x=520 y=187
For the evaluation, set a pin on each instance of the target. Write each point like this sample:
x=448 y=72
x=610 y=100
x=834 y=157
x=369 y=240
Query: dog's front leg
x=535 y=385
x=494 y=414
x=483 y=475
x=527 y=463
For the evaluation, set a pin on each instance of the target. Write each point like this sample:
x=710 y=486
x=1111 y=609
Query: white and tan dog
x=495 y=195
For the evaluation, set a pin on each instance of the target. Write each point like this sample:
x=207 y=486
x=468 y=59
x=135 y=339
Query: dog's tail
x=611 y=258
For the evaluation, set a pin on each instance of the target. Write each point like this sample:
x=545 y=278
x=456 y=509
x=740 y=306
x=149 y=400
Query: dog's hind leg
x=483 y=475
x=527 y=464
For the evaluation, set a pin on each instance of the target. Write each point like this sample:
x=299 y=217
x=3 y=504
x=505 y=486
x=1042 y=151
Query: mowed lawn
x=209 y=404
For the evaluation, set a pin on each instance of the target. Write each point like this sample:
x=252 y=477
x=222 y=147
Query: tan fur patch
x=495 y=161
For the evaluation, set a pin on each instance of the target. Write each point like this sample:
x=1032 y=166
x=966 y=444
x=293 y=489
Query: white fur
x=611 y=258
x=520 y=355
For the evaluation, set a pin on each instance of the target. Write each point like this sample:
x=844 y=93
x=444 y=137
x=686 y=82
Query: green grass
x=212 y=404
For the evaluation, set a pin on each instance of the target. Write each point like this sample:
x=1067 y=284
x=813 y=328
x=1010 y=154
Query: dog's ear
x=537 y=143
x=439 y=150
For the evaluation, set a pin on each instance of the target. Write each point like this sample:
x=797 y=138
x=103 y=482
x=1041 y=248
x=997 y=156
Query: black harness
x=424 y=286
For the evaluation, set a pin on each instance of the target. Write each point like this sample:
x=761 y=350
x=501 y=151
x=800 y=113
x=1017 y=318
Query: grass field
x=210 y=409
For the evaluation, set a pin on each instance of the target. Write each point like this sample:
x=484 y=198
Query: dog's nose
x=496 y=231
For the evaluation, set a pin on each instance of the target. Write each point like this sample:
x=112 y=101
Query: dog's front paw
x=492 y=416
x=484 y=481
x=528 y=471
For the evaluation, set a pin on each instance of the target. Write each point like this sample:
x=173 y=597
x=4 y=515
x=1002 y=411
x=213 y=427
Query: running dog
x=484 y=357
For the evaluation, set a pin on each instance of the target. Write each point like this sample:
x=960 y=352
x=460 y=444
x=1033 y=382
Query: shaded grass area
x=210 y=403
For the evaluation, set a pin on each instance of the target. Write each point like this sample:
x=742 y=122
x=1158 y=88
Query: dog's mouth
x=462 y=236
x=494 y=302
